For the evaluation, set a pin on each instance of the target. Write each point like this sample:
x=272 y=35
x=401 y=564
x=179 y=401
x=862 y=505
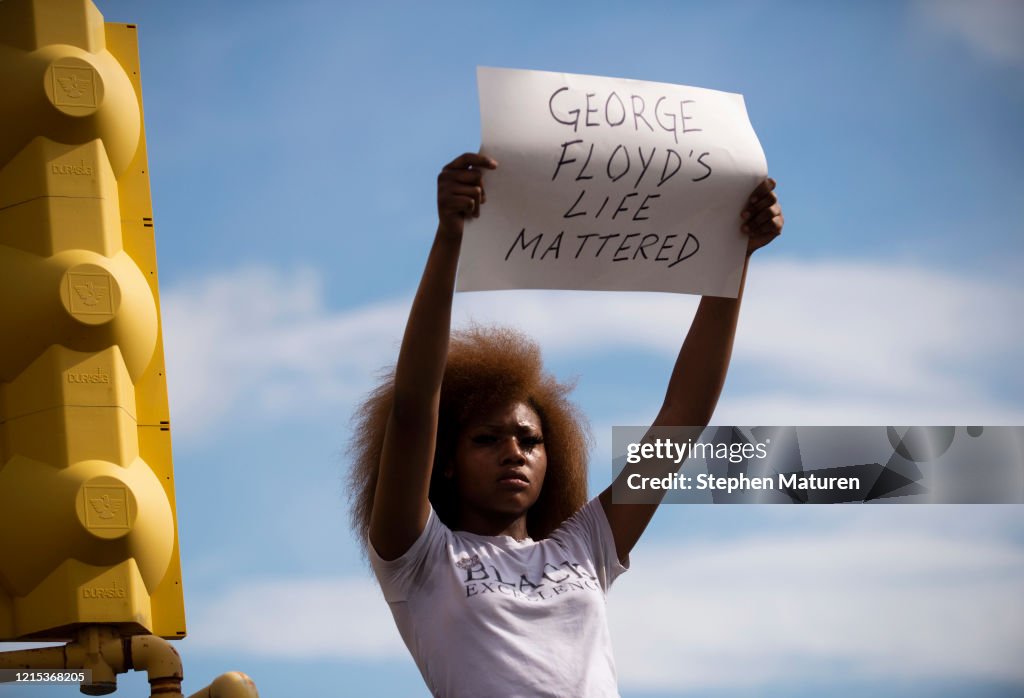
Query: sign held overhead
x=610 y=184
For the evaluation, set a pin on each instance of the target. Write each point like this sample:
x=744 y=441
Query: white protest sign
x=610 y=184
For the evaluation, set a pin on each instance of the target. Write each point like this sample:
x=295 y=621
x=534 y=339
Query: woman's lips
x=514 y=481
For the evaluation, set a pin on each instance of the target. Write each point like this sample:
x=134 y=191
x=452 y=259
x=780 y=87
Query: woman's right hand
x=401 y=504
x=460 y=191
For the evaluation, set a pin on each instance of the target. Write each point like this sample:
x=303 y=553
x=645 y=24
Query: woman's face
x=500 y=461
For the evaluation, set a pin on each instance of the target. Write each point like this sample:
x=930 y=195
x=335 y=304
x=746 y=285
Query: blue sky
x=293 y=149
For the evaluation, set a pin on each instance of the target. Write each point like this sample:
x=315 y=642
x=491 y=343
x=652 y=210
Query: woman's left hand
x=762 y=216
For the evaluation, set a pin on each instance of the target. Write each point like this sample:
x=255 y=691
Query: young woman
x=470 y=483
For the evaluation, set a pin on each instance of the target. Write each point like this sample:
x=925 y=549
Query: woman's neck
x=493 y=524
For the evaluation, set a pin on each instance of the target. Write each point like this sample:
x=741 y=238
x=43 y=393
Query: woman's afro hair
x=487 y=367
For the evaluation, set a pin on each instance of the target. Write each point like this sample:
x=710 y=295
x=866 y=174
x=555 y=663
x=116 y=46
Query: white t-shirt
x=492 y=616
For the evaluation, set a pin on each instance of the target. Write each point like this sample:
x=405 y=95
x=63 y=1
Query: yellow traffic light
x=88 y=533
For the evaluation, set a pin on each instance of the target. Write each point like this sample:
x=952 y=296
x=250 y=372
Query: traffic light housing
x=88 y=531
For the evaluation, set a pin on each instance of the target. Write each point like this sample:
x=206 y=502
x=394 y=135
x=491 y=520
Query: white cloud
x=298 y=619
x=870 y=593
x=863 y=603
x=877 y=330
x=993 y=28
x=839 y=342
x=260 y=342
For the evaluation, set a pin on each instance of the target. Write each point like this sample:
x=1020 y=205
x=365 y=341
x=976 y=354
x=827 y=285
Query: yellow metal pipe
x=98 y=649
x=233 y=684
x=160 y=661
x=39 y=658
x=105 y=653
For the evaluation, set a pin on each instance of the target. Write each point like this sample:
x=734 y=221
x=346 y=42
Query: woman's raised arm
x=400 y=505
x=699 y=372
